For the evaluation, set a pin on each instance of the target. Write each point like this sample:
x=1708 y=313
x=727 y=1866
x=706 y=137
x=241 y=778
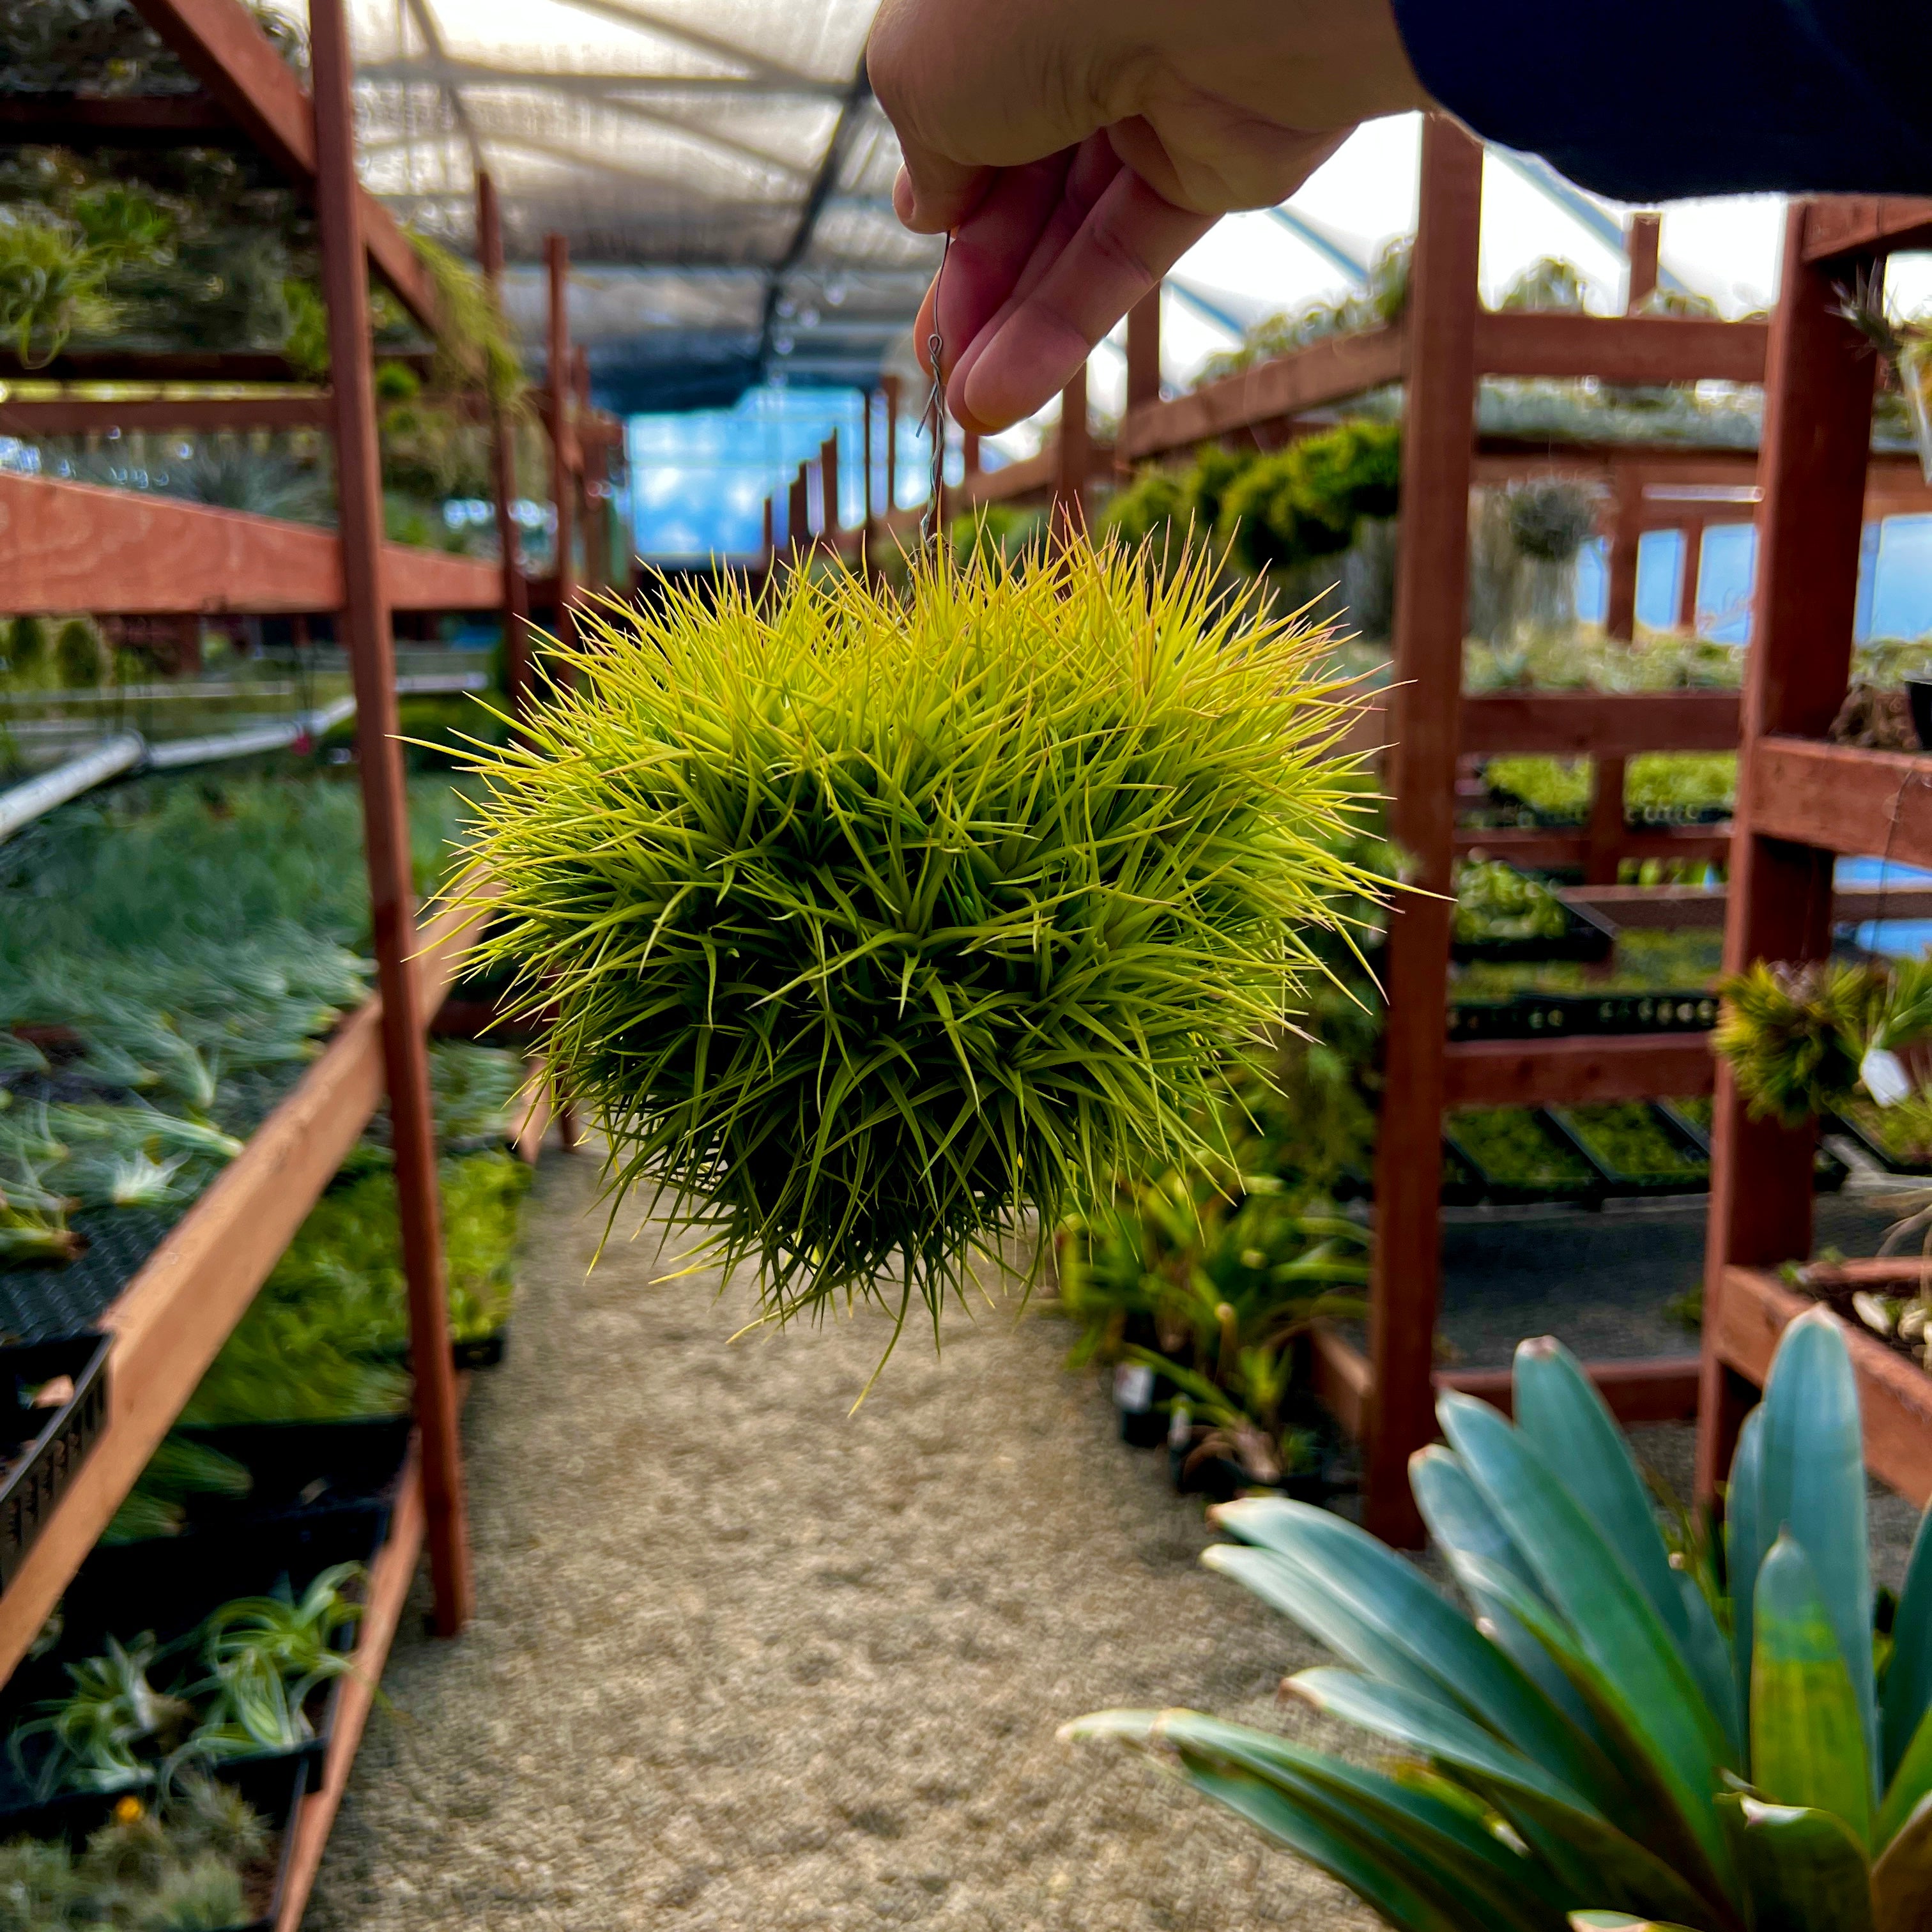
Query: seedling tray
x=47 y=1446
x=1506 y=1190
x=169 y=1586
x=1547 y=1016
x=275 y=1787
x=1829 y=1173
x=1855 y=1129
x=1618 y=1181
x=1586 y=938
x=300 y=1468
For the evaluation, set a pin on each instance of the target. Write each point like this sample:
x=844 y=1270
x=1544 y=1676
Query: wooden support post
x=1069 y=479
x=1626 y=533
x=1819 y=388
x=769 y=539
x=1606 y=820
x=969 y=452
x=1687 y=583
x=865 y=446
x=563 y=479
x=828 y=487
x=1144 y=351
x=386 y=806
x=893 y=387
x=1438 y=436
x=503 y=476
x=1641 y=241
x=798 y=515
x=594 y=497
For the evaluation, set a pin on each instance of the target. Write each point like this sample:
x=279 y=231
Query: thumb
x=932 y=196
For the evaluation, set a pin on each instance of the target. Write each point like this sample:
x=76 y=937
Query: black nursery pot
x=1918 y=690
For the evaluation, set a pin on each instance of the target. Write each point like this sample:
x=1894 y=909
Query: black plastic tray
x=300 y=1468
x=1586 y=939
x=169 y=1586
x=1500 y=1192
x=1829 y=1173
x=1616 y=1181
x=1462 y=1186
x=47 y=1445
x=1543 y=1015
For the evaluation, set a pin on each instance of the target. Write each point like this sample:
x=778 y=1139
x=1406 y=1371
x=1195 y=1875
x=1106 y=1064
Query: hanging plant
x=872 y=929
x=1905 y=345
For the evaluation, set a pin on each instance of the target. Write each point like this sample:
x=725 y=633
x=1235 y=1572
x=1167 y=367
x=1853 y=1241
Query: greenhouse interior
x=1251 y=1055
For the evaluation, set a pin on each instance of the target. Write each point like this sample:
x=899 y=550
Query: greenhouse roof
x=720 y=168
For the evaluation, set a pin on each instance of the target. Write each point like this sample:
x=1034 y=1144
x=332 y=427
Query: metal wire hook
x=930 y=532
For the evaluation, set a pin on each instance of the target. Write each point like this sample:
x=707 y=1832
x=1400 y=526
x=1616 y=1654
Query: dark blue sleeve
x=1653 y=99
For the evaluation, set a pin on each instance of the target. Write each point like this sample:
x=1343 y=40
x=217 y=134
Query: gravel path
x=742 y=1663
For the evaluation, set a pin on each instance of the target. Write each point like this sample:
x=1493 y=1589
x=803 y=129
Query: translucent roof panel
x=719 y=168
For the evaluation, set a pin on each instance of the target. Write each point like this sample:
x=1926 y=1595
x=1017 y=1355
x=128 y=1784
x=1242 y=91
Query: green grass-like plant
x=875 y=926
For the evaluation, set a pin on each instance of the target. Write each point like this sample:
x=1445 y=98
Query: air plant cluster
x=240 y=1683
x=876 y=930
x=1798 y=1038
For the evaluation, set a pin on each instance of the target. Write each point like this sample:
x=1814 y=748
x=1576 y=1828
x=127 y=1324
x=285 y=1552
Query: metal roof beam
x=413 y=70
x=628 y=13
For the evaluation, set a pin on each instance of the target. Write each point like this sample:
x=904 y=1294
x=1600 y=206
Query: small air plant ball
x=876 y=924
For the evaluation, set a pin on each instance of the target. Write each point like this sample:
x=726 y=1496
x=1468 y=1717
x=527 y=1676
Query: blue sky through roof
x=699 y=480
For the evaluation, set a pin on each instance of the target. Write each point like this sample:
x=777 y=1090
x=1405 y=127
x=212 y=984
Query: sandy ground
x=741 y=1662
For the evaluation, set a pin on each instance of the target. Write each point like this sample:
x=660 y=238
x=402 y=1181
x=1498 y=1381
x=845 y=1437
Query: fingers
x=1091 y=265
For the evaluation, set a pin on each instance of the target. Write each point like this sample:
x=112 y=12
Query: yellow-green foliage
x=1795 y=1035
x=1305 y=502
x=875 y=924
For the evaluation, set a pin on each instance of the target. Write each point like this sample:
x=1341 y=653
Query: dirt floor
x=742 y=1661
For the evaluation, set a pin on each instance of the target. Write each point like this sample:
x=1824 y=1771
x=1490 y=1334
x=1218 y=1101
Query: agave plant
x=876 y=927
x=1611 y=1741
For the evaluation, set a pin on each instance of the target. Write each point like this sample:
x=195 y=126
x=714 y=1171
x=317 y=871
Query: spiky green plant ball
x=873 y=926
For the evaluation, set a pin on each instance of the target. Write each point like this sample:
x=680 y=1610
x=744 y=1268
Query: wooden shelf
x=1576 y=1071
x=1582 y=724
x=1270 y=392
x=1652 y=1389
x=77 y=546
x=171 y=1319
x=1842 y=799
x=1895 y=1395
x=1847 y=225
x=1638 y=349
x=1530 y=845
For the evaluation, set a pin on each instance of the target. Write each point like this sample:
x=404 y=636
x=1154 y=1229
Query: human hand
x=1076 y=148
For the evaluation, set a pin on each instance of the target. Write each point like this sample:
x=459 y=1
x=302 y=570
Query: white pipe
x=21 y=804
x=180 y=751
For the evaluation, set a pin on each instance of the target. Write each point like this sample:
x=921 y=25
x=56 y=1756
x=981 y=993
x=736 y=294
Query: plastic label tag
x=1180 y=1426
x=1133 y=1388
x=1884 y=1074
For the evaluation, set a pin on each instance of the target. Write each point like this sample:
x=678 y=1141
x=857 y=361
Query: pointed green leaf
x=1375 y=1869
x=1619 y=1922
x=1911 y=1784
x=1902 y=1878
x=1519 y=1788
x=1460 y=1522
x=1745 y=1541
x=1367 y=1870
x=1388 y=1599
x=1907 y=1694
x=1807 y=1736
x=1616 y=1627
x=1805 y=1872
x=1558 y=1408
x=1448 y=1846
x=1650 y=1811
x=1813 y=1486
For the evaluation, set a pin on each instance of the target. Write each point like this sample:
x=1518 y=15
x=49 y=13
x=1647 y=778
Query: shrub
x=1616 y=1742
x=873 y=927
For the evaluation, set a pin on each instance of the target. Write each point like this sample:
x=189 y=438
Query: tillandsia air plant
x=1906 y=344
x=1614 y=1741
x=875 y=927
x=1795 y=1036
